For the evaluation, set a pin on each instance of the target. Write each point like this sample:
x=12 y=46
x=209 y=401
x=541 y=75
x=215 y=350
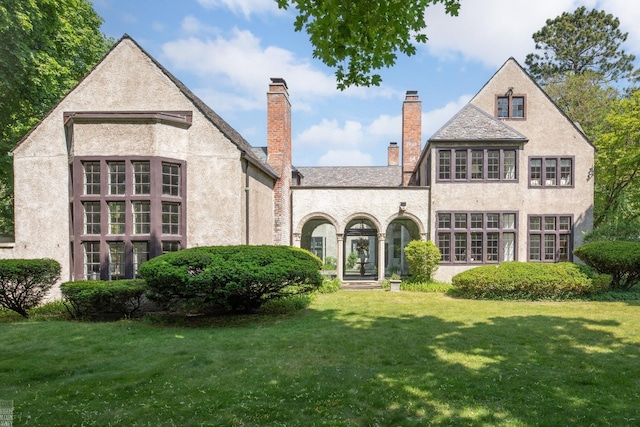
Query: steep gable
x=473 y=124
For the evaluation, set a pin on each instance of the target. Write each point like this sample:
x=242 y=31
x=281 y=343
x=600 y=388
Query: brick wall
x=411 y=134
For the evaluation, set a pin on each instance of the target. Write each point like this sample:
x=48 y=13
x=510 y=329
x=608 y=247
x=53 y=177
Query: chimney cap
x=412 y=92
x=279 y=80
x=393 y=143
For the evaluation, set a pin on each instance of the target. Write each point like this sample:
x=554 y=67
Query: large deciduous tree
x=46 y=46
x=580 y=42
x=358 y=37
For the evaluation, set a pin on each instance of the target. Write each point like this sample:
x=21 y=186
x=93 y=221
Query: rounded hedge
x=25 y=282
x=620 y=259
x=239 y=278
x=96 y=297
x=533 y=281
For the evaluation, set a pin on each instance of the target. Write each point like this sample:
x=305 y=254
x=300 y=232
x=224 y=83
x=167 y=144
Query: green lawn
x=351 y=359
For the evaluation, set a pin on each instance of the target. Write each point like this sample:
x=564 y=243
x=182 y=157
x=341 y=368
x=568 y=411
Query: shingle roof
x=351 y=176
x=473 y=124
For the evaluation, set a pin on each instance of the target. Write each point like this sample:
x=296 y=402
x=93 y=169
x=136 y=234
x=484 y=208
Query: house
x=131 y=164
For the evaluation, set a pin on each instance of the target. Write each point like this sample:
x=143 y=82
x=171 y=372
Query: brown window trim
x=154 y=237
x=468 y=179
x=510 y=96
x=558 y=169
x=557 y=232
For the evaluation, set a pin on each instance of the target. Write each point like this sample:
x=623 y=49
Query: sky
x=226 y=51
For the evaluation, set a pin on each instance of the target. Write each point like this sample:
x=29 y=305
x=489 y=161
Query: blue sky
x=225 y=51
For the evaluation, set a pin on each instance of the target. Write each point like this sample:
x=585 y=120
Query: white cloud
x=244 y=7
x=345 y=158
x=328 y=133
x=435 y=119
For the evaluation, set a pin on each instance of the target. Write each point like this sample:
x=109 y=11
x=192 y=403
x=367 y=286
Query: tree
x=357 y=37
x=46 y=46
x=580 y=42
x=616 y=170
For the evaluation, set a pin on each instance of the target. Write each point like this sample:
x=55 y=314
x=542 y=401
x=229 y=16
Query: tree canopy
x=580 y=42
x=46 y=46
x=359 y=37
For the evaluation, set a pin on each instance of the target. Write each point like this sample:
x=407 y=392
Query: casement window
x=125 y=211
x=510 y=107
x=476 y=237
x=550 y=238
x=477 y=165
x=317 y=246
x=551 y=172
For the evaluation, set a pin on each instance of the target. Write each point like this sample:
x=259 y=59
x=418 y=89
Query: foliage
x=580 y=42
x=352 y=258
x=239 y=278
x=429 y=286
x=330 y=263
x=617 y=174
x=52 y=310
x=46 y=46
x=533 y=281
x=96 y=297
x=330 y=285
x=359 y=37
x=620 y=230
x=423 y=257
x=25 y=282
x=620 y=259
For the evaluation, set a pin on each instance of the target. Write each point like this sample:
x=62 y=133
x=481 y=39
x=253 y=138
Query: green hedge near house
x=236 y=278
x=531 y=281
x=25 y=282
x=620 y=259
x=91 y=298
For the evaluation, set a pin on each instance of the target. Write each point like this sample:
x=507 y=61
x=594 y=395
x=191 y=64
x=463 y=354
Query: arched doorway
x=319 y=237
x=361 y=250
x=399 y=233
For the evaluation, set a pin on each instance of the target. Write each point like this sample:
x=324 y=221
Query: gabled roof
x=473 y=124
x=212 y=116
x=351 y=176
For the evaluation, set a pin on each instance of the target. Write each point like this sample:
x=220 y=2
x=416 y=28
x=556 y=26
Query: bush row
x=95 y=298
x=520 y=280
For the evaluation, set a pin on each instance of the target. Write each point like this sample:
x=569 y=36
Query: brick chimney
x=393 y=154
x=411 y=134
x=279 y=157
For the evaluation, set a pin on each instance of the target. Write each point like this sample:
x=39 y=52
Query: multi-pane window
x=141 y=178
x=125 y=211
x=510 y=106
x=116 y=218
x=141 y=217
x=91 y=217
x=477 y=165
x=550 y=238
x=116 y=260
x=116 y=177
x=550 y=172
x=461 y=164
x=91 y=260
x=170 y=218
x=170 y=179
x=317 y=246
x=477 y=237
x=91 y=177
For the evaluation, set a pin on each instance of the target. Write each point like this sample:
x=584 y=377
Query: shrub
x=430 y=286
x=520 y=280
x=620 y=259
x=96 y=298
x=239 y=278
x=423 y=258
x=330 y=263
x=621 y=230
x=52 y=310
x=330 y=285
x=25 y=282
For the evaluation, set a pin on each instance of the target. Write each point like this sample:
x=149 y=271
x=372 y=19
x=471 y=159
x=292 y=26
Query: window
x=91 y=177
x=317 y=246
x=170 y=218
x=116 y=177
x=92 y=217
x=170 y=179
x=478 y=237
x=557 y=172
x=116 y=260
x=141 y=178
x=510 y=106
x=473 y=165
x=137 y=213
x=550 y=238
x=116 y=218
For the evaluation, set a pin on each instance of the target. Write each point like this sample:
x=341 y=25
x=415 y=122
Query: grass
x=350 y=359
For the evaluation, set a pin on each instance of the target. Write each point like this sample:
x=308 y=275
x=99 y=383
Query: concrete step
x=361 y=285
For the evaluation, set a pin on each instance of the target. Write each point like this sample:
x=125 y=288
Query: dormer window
x=510 y=106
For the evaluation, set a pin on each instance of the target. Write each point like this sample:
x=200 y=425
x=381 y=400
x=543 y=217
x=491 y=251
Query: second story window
x=550 y=172
x=477 y=165
x=510 y=106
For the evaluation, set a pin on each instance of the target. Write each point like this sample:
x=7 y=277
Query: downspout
x=245 y=169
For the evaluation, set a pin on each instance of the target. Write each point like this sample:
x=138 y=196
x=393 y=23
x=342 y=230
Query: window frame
x=510 y=97
x=541 y=233
x=542 y=172
x=452 y=171
x=466 y=233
